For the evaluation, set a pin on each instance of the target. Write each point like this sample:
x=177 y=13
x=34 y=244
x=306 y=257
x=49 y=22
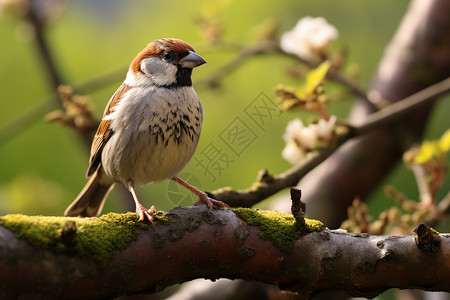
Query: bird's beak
x=191 y=60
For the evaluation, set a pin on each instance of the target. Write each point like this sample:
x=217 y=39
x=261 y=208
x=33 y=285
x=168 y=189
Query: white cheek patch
x=153 y=65
x=161 y=72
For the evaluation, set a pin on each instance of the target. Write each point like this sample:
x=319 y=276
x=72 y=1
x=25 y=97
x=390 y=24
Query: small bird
x=149 y=130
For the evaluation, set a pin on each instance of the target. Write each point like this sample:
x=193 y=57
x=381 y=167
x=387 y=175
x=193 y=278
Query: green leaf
x=427 y=152
x=316 y=76
x=444 y=142
x=301 y=94
x=287 y=105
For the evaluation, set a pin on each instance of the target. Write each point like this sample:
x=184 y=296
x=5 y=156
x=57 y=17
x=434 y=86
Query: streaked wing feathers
x=104 y=131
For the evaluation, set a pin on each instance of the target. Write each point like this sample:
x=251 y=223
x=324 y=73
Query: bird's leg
x=140 y=209
x=202 y=196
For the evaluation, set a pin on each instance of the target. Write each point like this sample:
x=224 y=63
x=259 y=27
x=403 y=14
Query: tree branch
x=267 y=185
x=38 y=25
x=402 y=108
x=417 y=56
x=67 y=258
x=267 y=47
x=273 y=47
x=39 y=110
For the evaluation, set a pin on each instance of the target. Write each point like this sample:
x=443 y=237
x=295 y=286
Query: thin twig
x=42 y=46
x=54 y=76
x=26 y=119
x=236 y=62
x=357 y=91
x=39 y=110
x=263 y=189
x=29 y=117
x=401 y=108
x=422 y=184
x=270 y=47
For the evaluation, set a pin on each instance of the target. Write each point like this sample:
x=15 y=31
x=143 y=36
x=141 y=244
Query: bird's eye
x=167 y=56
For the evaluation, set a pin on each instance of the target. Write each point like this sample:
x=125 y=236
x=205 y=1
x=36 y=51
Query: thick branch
x=77 y=262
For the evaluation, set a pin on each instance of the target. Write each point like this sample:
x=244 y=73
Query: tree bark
x=192 y=243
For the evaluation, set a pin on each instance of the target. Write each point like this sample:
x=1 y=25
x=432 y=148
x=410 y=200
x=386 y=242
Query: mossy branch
x=71 y=258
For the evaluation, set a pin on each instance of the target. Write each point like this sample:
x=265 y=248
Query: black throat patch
x=183 y=78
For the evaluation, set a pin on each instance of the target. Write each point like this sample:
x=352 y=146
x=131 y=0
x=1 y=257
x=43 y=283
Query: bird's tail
x=90 y=201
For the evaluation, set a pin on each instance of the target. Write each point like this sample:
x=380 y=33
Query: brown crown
x=157 y=48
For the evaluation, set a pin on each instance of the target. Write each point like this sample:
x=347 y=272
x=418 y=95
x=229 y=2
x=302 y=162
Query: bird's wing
x=104 y=131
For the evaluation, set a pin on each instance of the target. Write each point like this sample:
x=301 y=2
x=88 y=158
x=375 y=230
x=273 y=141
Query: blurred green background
x=43 y=167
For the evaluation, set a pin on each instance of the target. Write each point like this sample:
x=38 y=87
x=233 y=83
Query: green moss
x=94 y=238
x=314 y=225
x=162 y=218
x=434 y=231
x=276 y=226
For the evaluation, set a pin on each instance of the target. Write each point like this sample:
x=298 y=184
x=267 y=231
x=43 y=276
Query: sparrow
x=149 y=130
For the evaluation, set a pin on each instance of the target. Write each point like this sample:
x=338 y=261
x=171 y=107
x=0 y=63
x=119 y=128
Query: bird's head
x=165 y=63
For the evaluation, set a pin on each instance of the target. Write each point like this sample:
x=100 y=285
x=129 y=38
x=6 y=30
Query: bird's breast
x=155 y=135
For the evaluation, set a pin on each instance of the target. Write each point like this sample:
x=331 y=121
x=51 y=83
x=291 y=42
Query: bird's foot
x=203 y=197
x=143 y=213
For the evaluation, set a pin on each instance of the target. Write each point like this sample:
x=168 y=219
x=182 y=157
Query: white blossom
x=302 y=139
x=292 y=153
x=309 y=39
x=292 y=130
x=307 y=137
x=325 y=129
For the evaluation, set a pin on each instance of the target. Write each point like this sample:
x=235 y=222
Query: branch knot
x=427 y=239
x=297 y=209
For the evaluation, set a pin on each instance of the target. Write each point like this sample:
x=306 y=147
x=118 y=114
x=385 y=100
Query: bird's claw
x=203 y=197
x=143 y=212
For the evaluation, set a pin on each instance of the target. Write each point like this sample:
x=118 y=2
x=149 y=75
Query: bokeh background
x=42 y=165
